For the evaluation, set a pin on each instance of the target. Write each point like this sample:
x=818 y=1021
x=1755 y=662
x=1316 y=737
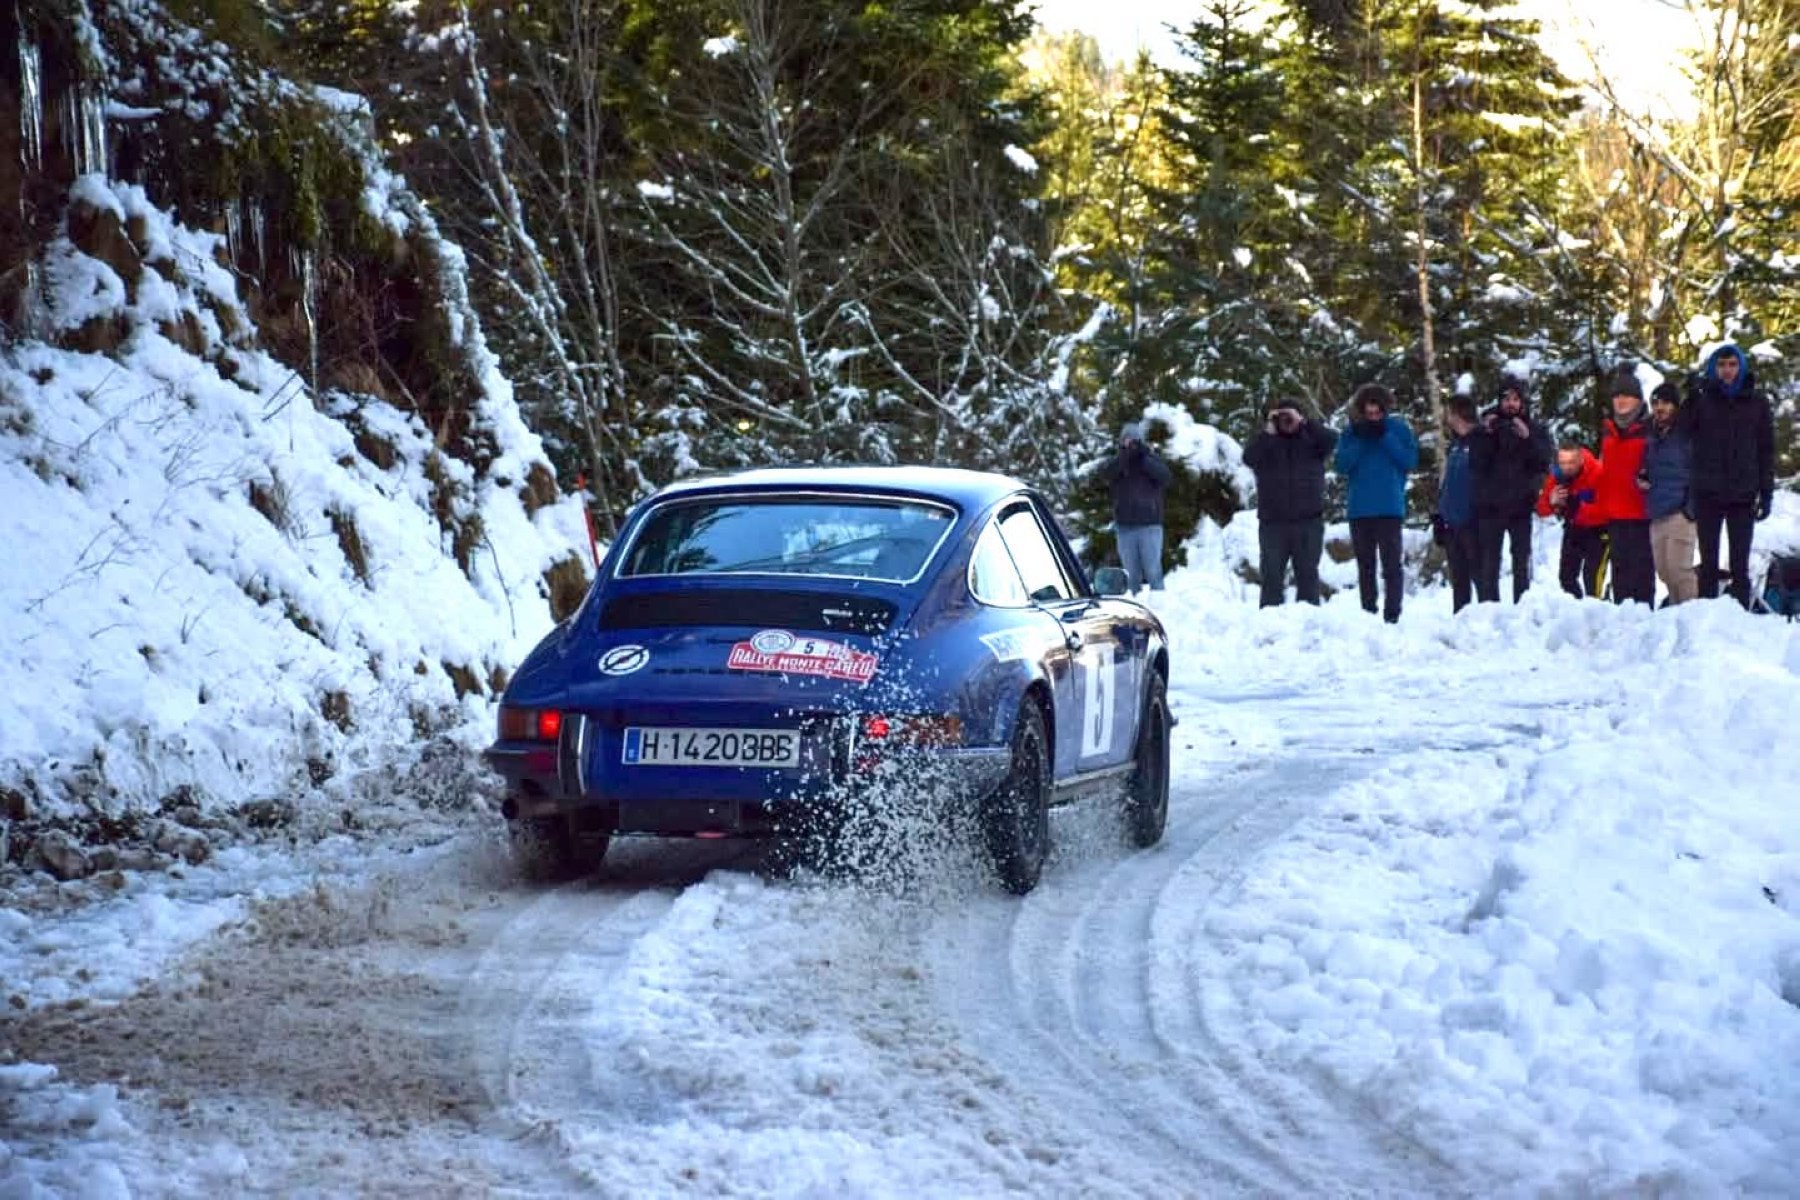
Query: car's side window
x=1045 y=579
x=992 y=576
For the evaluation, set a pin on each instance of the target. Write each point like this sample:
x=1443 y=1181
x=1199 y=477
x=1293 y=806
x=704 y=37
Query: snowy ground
x=1504 y=904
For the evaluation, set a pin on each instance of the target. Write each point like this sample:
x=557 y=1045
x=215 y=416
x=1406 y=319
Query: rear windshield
x=850 y=537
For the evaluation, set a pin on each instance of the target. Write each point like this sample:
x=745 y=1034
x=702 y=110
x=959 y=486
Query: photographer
x=1137 y=477
x=1375 y=457
x=1288 y=459
x=1509 y=459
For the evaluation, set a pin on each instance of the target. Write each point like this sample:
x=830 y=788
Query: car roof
x=971 y=491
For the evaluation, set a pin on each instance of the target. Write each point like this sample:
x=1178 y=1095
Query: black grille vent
x=813 y=611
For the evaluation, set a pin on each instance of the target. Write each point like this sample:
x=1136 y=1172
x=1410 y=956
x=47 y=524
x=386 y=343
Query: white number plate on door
x=677 y=746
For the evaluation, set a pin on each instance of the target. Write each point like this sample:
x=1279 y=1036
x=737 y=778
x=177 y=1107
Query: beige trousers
x=1673 y=541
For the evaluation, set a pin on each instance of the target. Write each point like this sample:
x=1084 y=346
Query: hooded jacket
x=1137 y=476
x=1507 y=468
x=1583 y=509
x=1669 y=462
x=1376 y=468
x=1622 y=449
x=1733 y=435
x=1290 y=472
x=1456 y=497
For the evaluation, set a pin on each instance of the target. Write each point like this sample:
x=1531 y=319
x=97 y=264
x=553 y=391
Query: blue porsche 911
x=759 y=648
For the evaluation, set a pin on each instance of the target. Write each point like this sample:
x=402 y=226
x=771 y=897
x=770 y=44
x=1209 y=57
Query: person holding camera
x=1624 y=438
x=1137 y=477
x=1375 y=457
x=1509 y=459
x=1288 y=460
x=1454 y=527
x=1572 y=493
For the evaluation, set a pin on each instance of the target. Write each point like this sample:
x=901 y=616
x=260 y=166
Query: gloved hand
x=1765 y=504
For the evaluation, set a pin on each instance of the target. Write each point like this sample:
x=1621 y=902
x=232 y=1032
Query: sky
x=1635 y=40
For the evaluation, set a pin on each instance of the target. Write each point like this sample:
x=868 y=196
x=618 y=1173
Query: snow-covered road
x=1353 y=968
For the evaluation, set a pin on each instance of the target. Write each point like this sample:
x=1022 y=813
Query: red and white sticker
x=779 y=652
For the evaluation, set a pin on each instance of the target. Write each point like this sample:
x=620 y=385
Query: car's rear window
x=850 y=537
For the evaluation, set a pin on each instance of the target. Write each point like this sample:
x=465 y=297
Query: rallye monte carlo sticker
x=779 y=652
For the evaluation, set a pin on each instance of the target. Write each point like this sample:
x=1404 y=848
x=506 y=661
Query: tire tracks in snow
x=1107 y=1007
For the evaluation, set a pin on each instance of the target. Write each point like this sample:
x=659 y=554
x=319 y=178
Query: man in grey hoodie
x=1137 y=477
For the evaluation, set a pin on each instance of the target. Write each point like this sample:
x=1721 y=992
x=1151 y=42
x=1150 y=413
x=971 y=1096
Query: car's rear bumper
x=541 y=783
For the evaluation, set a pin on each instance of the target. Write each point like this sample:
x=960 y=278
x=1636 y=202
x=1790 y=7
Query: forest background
x=713 y=233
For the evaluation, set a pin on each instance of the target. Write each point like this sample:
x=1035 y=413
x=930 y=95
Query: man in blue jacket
x=1668 y=465
x=1375 y=457
x=1456 y=528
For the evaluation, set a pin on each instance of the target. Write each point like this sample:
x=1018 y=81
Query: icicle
x=34 y=316
x=259 y=231
x=234 y=232
x=309 y=306
x=84 y=128
x=31 y=101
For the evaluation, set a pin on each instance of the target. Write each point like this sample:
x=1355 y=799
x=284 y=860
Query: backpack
x=1781 y=586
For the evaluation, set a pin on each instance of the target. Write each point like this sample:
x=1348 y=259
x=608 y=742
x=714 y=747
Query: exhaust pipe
x=509 y=808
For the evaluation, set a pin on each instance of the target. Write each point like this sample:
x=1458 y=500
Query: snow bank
x=1565 y=947
x=221 y=588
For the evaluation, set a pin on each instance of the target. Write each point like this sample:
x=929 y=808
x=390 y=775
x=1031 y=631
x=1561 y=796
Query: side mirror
x=1111 y=581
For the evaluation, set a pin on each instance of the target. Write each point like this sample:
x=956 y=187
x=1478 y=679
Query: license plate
x=681 y=746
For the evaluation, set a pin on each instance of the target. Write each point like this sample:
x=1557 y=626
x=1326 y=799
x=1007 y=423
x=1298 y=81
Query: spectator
x=1571 y=494
x=1288 y=457
x=1624 y=438
x=1137 y=476
x=1733 y=476
x=1509 y=465
x=1456 y=526
x=1376 y=456
x=1667 y=464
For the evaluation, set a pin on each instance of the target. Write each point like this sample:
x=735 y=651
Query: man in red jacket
x=1571 y=493
x=1624 y=437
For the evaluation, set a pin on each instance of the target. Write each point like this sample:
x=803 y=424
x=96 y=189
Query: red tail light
x=913 y=731
x=530 y=724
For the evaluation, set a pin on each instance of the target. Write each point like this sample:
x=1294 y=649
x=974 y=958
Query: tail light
x=927 y=731
x=530 y=724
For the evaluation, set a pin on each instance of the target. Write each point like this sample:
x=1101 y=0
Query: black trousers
x=1583 y=558
x=1633 y=564
x=1462 y=551
x=1737 y=518
x=1516 y=530
x=1296 y=542
x=1372 y=538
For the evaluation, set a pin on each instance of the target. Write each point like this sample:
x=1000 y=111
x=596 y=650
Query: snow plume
x=226 y=589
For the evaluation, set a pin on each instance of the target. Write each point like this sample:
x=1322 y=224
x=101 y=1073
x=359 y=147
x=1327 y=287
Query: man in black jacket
x=1289 y=457
x=1732 y=429
x=1509 y=456
x=1137 y=478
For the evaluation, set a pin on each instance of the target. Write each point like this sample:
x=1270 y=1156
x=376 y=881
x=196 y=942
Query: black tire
x=546 y=849
x=1147 y=791
x=1015 y=818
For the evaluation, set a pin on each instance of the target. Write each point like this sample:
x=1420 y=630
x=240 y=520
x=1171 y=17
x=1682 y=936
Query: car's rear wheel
x=1147 y=791
x=1016 y=816
x=547 y=849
